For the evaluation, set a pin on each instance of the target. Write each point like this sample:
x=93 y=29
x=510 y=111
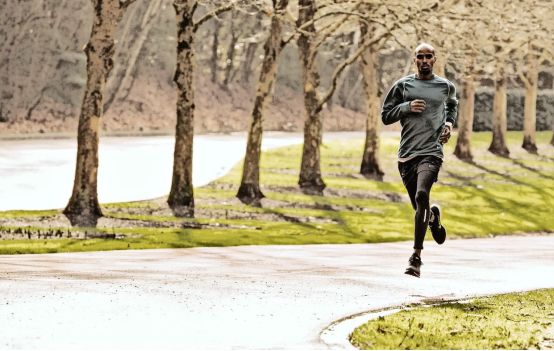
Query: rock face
x=42 y=74
x=483 y=109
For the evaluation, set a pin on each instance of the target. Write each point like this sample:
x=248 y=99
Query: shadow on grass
x=467 y=307
x=535 y=170
x=324 y=204
x=510 y=205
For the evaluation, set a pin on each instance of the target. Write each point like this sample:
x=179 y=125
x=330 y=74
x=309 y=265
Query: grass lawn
x=512 y=321
x=490 y=196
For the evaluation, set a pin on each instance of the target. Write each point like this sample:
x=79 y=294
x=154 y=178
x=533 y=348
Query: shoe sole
x=440 y=236
x=411 y=272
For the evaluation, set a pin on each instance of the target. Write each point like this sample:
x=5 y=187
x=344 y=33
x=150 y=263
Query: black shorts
x=409 y=169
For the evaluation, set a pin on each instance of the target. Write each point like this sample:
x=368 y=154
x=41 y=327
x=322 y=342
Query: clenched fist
x=445 y=135
x=417 y=105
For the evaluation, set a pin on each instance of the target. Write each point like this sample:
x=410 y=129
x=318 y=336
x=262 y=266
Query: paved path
x=264 y=297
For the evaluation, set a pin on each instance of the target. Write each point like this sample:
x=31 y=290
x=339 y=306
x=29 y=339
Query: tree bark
x=465 y=122
x=499 y=121
x=83 y=208
x=249 y=191
x=123 y=81
x=370 y=167
x=310 y=179
x=530 y=113
x=440 y=66
x=215 y=45
x=230 y=52
x=181 y=196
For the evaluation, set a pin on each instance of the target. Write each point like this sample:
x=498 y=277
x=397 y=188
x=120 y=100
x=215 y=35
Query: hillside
x=42 y=74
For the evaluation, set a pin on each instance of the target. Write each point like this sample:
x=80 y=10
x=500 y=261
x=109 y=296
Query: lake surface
x=38 y=174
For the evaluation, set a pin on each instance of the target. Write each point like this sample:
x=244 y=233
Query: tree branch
x=214 y=13
x=125 y=3
x=344 y=64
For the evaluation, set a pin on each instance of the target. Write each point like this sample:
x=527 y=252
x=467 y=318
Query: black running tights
x=418 y=179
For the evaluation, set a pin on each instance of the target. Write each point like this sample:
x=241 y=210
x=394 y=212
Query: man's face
x=424 y=60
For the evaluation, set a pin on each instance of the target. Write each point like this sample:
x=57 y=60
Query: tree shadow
x=510 y=205
x=80 y=220
x=495 y=172
x=467 y=307
x=535 y=170
x=320 y=203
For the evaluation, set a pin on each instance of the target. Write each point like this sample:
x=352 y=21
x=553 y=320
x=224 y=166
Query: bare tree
x=83 y=207
x=498 y=144
x=530 y=80
x=310 y=170
x=231 y=49
x=249 y=191
x=121 y=82
x=370 y=166
x=467 y=51
x=310 y=179
x=465 y=117
x=214 y=50
x=505 y=15
x=181 y=196
x=536 y=26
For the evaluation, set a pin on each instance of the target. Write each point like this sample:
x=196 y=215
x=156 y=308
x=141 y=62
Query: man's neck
x=427 y=76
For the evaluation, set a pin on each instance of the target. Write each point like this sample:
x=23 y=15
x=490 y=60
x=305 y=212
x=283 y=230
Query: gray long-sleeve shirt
x=420 y=131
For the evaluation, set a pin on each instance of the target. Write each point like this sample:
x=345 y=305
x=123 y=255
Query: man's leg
x=425 y=180
x=408 y=172
x=419 y=188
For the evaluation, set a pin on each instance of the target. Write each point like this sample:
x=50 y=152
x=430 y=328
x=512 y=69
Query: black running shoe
x=438 y=231
x=415 y=263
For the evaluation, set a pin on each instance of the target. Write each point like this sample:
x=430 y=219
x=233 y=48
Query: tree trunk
x=215 y=45
x=344 y=84
x=247 y=69
x=124 y=81
x=230 y=52
x=440 y=66
x=83 y=208
x=310 y=179
x=530 y=114
x=499 y=118
x=248 y=63
x=465 y=122
x=370 y=166
x=249 y=191
x=181 y=196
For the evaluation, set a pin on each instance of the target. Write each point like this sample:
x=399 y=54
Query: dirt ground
x=151 y=110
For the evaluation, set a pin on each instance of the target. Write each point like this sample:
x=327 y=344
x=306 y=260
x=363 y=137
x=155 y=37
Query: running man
x=426 y=106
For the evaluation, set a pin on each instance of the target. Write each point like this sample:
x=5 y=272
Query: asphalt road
x=253 y=297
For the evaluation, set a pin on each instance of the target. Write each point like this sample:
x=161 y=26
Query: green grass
x=513 y=321
x=492 y=195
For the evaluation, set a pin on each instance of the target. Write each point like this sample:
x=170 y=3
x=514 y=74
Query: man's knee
x=422 y=198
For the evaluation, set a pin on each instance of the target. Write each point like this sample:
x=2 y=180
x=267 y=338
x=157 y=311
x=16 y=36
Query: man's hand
x=445 y=135
x=417 y=105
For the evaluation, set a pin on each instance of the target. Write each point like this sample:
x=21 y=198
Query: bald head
x=424 y=47
x=424 y=59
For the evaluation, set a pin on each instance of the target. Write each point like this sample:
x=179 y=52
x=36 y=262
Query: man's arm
x=394 y=106
x=451 y=113
x=451 y=105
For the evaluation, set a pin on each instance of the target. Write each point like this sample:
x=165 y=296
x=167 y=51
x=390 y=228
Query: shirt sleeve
x=394 y=106
x=451 y=104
